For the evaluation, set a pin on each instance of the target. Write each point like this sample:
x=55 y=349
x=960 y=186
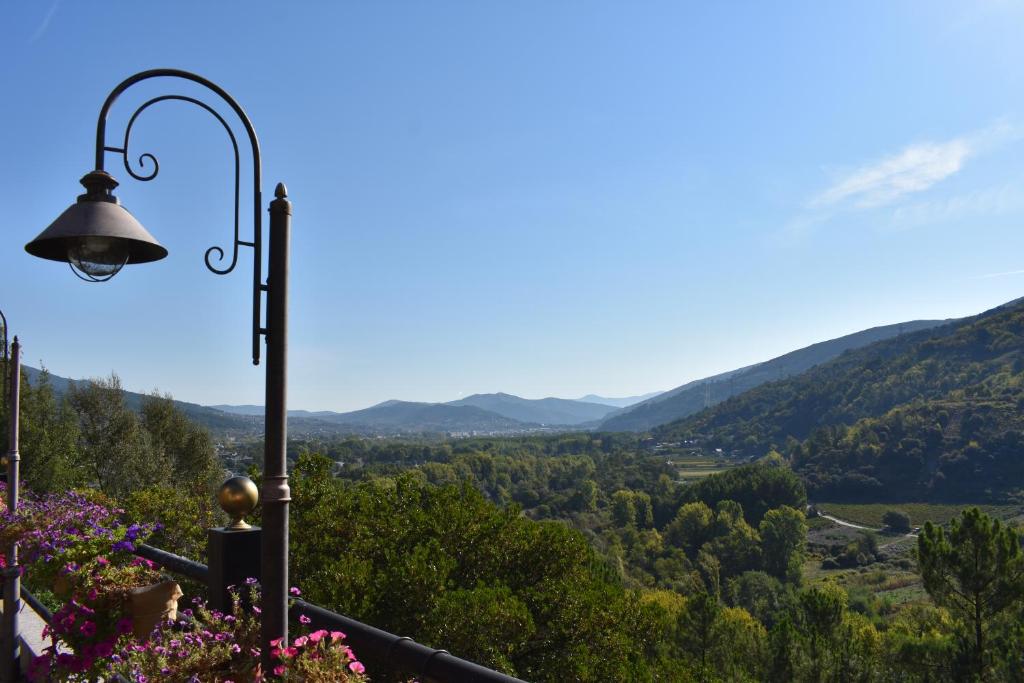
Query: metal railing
x=401 y=653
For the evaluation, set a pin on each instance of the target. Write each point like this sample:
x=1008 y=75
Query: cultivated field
x=690 y=468
x=870 y=514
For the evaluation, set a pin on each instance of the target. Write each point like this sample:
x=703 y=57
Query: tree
x=977 y=573
x=49 y=436
x=187 y=445
x=819 y=615
x=691 y=528
x=697 y=629
x=116 y=452
x=644 y=510
x=623 y=508
x=783 y=540
x=897 y=520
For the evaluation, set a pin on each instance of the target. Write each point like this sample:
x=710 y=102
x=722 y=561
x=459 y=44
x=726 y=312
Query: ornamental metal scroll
x=256 y=243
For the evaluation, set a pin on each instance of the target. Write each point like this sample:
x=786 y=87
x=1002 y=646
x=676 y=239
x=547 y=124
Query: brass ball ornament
x=238 y=497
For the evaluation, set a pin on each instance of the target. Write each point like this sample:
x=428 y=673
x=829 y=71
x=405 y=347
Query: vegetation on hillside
x=577 y=557
x=931 y=415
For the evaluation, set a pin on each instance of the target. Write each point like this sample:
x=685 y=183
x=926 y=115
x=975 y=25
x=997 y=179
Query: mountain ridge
x=692 y=397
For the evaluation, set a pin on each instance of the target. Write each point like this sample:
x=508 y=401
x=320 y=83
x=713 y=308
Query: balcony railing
x=400 y=654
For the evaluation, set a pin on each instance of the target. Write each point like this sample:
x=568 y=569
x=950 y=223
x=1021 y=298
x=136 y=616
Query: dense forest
x=566 y=558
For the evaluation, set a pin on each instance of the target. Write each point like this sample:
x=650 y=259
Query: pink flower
x=276 y=641
x=279 y=670
x=337 y=635
x=295 y=591
x=357 y=667
x=300 y=641
x=303 y=619
x=315 y=636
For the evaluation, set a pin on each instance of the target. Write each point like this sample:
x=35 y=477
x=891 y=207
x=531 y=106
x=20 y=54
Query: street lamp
x=97 y=237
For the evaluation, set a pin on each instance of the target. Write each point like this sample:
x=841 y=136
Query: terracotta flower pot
x=153 y=604
x=62 y=587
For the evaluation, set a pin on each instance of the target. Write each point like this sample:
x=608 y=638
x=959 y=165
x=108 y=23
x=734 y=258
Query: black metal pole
x=12 y=575
x=275 y=494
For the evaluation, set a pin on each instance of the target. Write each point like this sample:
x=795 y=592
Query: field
x=690 y=468
x=870 y=514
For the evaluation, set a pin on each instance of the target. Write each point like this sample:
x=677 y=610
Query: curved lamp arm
x=3 y=336
x=256 y=244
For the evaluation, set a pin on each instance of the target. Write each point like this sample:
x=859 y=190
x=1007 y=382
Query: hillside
x=934 y=413
x=693 y=397
x=215 y=420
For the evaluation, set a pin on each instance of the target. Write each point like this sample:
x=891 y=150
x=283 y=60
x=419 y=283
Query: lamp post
x=97 y=237
x=11 y=573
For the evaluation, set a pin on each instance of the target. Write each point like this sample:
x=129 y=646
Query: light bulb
x=97 y=259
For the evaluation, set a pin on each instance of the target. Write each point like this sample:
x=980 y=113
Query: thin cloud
x=989 y=276
x=913 y=169
x=993 y=201
x=45 y=24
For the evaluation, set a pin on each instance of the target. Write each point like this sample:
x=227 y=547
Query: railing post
x=9 y=664
x=233 y=551
x=234 y=556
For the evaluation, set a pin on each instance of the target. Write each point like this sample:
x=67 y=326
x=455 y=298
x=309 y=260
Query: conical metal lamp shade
x=88 y=220
x=96 y=218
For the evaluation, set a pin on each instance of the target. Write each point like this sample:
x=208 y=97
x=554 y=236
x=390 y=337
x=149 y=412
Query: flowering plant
x=85 y=631
x=72 y=527
x=320 y=657
x=202 y=645
x=214 y=647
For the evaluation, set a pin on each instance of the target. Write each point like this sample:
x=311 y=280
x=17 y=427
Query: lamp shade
x=96 y=233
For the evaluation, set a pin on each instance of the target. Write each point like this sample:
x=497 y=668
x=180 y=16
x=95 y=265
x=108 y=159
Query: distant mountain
x=411 y=417
x=255 y=411
x=932 y=414
x=388 y=418
x=693 y=397
x=624 y=402
x=501 y=412
x=545 y=411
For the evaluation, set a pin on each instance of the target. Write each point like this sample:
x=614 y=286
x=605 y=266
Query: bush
x=897 y=520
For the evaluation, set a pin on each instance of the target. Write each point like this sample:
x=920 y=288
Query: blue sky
x=542 y=198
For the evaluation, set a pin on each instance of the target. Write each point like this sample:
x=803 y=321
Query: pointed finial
x=280 y=191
